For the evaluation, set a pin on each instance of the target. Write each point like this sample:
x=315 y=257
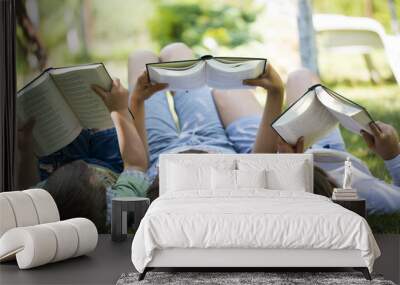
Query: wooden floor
x=389 y=262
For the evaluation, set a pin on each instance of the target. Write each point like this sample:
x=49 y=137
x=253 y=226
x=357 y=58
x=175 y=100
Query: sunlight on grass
x=383 y=103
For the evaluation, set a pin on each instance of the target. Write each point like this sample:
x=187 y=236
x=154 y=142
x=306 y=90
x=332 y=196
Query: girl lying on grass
x=329 y=153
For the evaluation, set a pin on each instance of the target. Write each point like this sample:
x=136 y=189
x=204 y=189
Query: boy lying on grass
x=83 y=180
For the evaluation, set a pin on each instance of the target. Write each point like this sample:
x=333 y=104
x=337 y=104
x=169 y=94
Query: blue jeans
x=99 y=148
x=199 y=125
x=242 y=133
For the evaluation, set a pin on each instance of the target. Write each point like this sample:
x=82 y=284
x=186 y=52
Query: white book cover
x=317 y=113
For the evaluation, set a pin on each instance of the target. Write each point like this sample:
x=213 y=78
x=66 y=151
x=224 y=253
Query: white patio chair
x=358 y=35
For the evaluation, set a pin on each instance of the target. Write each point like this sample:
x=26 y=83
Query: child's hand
x=269 y=80
x=284 y=147
x=144 y=88
x=116 y=99
x=384 y=140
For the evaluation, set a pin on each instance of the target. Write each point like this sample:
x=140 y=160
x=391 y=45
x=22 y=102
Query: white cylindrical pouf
x=45 y=205
x=23 y=208
x=7 y=218
x=33 y=246
x=87 y=234
x=67 y=239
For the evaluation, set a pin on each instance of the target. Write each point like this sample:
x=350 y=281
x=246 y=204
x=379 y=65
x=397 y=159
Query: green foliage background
x=121 y=27
x=190 y=21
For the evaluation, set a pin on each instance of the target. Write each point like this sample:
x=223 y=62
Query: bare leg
x=137 y=64
x=176 y=51
x=228 y=109
x=298 y=82
x=195 y=109
x=235 y=104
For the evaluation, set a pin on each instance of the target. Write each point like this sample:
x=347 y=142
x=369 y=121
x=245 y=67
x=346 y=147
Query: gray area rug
x=231 y=278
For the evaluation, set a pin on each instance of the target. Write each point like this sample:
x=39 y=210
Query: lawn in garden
x=383 y=103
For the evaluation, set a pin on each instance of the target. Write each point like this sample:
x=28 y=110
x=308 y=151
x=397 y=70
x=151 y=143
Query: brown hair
x=78 y=193
x=323 y=183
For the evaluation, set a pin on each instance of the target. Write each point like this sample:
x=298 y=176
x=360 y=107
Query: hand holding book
x=384 y=140
x=269 y=80
x=116 y=99
x=62 y=104
x=284 y=147
x=144 y=88
x=317 y=113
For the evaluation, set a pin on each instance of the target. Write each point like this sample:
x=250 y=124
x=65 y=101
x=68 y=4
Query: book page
x=75 y=86
x=185 y=77
x=307 y=118
x=55 y=124
x=225 y=74
x=350 y=116
x=175 y=65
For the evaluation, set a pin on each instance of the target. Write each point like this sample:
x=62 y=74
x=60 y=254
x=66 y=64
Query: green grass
x=385 y=224
x=383 y=103
x=348 y=75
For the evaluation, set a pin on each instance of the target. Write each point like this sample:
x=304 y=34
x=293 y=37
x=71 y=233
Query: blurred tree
x=55 y=39
x=29 y=42
x=369 y=8
x=393 y=15
x=86 y=26
x=49 y=32
x=195 y=23
x=308 y=50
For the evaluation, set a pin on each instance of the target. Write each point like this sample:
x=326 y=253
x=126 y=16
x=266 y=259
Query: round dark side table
x=121 y=206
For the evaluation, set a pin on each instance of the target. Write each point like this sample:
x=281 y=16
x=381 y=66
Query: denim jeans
x=242 y=133
x=99 y=148
x=199 y=125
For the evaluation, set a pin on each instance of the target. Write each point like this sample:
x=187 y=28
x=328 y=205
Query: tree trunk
x=86 y=26
x=33 y=42
x=393 y=17
x=369 y=8
x=308 y=50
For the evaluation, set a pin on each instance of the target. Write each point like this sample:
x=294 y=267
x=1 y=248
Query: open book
x=62 y=103
x=216 y=72
x=317 y=113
